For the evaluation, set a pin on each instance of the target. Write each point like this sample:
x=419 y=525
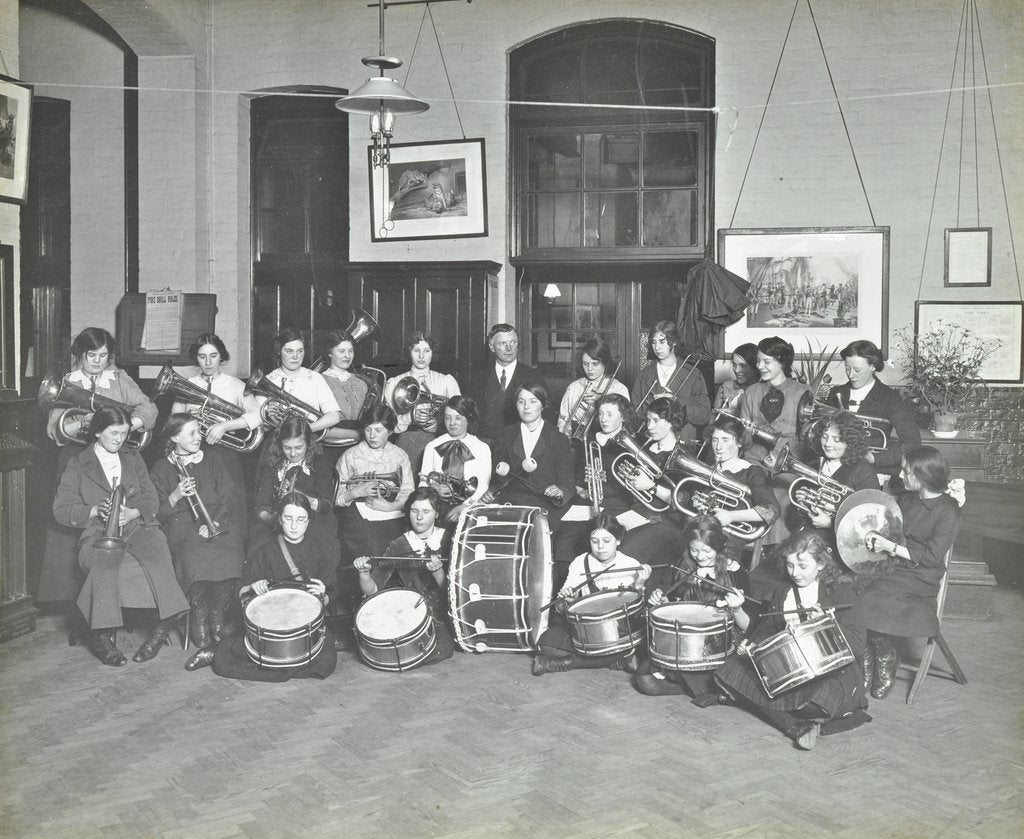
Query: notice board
x=198 y=315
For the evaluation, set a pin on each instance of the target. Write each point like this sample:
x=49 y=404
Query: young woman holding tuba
x=355 y=392
x=71 y=405
x=106 y=491
x=200 y=506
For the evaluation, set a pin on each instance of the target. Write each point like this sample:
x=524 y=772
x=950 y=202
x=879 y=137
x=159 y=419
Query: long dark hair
x=807 y=541
x=706 y=529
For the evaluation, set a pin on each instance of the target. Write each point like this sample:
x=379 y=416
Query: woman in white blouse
x=459 y=456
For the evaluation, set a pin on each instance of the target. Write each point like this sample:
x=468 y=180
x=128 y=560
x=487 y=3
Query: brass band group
x=766 y=545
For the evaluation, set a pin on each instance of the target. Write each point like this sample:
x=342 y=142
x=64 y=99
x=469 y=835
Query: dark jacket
x=884 y=402
x=554 y=465
x=497 y=407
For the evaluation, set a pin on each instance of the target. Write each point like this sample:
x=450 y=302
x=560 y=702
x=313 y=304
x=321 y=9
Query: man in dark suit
x=505 y=376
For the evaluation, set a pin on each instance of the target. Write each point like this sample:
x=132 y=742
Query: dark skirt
x=895 y=604
x=231 y=661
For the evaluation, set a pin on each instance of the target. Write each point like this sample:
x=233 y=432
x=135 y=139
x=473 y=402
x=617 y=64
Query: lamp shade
x=378 y=92
x=551 y=291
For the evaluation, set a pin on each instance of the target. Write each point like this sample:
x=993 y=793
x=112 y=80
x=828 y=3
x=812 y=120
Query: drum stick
x=713 y=584
x=556 y=501
x=584 y=583
x=807 y=609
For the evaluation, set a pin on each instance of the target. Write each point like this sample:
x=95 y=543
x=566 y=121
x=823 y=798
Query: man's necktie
x=503 y=380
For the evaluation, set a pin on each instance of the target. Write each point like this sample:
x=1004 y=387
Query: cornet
x=812 y=416
x=81 y=404
x=461 y=489
x=812 y=492
x=386 y=483
x=409 y=393
x=281 y=404
x=711 y=489
x=635 y=461
x=195 y=503
x=211 y=410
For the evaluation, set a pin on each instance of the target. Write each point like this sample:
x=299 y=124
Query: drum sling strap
x=296 y=573
x=590 y=577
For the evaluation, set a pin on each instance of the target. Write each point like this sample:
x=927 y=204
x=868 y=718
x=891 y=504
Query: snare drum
x=500 y=577
x=284 y=628
x=606 y=622
x=800 y=653
x=688 y=636
x=395 y=630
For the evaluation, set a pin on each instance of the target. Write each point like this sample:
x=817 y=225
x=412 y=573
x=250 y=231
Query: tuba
x=812 y=416
x=281 y=404
x=363 y=326
x=710 y=490
x=812 y=491
x=112 y=540
x=461 y=489
x=210 y=410
x=195 y=503
x=81 y=404
x=635 y=461
x=582 y=414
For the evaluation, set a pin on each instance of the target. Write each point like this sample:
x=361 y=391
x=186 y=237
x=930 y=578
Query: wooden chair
x=925 y=666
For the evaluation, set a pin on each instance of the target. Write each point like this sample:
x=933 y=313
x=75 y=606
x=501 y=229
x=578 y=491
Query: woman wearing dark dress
x=294 y=557
x=208 y=569
x=706 y=555
x=815 y=586
x=903 y=599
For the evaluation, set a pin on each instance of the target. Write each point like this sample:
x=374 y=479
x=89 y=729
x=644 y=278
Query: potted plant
x=943 y=365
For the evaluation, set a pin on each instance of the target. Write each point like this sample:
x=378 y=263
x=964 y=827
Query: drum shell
x=281 y=648
x=800 y=653
x=410 y=648
x=688 y=636
x=607 y=622
x=500 y=576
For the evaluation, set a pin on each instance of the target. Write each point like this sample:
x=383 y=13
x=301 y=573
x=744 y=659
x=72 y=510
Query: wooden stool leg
x=954 y=665
x=922 y=670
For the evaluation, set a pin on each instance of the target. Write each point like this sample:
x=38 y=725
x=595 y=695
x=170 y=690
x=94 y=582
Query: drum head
x=391 y=614
x=603 y=602
x=696 y=614
x=863 y=512
x=283 y=609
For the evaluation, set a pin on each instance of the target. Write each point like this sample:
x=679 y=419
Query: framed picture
x=823 y=285
x=968 y=257
x=15 y=113
x=432 y=190
x=1001 y=321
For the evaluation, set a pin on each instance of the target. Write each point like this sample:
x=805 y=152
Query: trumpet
x=812 y=491
x=763 y=436
x=461 y=489
x=595 y=475
x=692 y=358
x=363 y=326
x=387 y=484
x=195 y=503
x=81 y=404
x=409 y=393
x=711 y=489
x=211 y=410
x=633 y=462
x=281 y=404
x=812 y=416
x=112 y=540
x=582 y=414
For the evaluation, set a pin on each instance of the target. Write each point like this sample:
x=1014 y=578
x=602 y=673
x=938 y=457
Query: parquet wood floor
x=477 y=747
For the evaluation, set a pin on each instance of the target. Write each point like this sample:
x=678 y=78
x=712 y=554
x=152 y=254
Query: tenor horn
x=710 y=489
x=813 y=491
x=81 y=404
x=812 y=415
x=281 y=404
x=635 y=461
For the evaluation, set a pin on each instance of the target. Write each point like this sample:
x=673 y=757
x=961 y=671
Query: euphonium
x=81 y=404
x=595 y=475
x=195 y=503
x=211 y=410
x=582 y=414
x=711 y=489
x=112 y=540
x=812 y=492
x=763 y=436
x=281 y=404
x=363 y=326
x=812 y=415
x=387 y=483
x=635 y=461
x=461 y=488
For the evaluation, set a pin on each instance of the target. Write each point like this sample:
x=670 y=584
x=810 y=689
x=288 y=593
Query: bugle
x=281 y=404
x=581 y=417
x=813 y=416
x=387 y=484
x=461 y=488
x=763 y=436
x=363 y=326
x=709 y=490
x=595 y=475
x=196 y=505
x=210 y=410
x=634 y=461
x=112 y=540
x=81 y=404
x=812 y=492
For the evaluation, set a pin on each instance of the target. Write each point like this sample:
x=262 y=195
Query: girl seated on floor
x=603 y=568
x=707 y=558
x=815 y=586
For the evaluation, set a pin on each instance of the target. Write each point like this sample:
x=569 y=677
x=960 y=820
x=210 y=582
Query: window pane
x=670 y=158
x=554 y=221
x=611 y=160
x=610 y=73
x=554 y=161
x=670 y=217
x=554 y=77
x=611 y=219
x=671 y=76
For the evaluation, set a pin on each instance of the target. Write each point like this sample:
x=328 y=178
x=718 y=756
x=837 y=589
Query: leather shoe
x=546 y=664
x=199 y=614
x=103 y=647
x=203 y=658
x=629 y=663
x=867 y=662
x=888 y=663
x=149 y=648
x=805 y=734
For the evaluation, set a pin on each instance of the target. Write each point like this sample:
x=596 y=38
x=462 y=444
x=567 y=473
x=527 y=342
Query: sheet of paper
x=631 y=519
x=578 y=512
x=162 y=330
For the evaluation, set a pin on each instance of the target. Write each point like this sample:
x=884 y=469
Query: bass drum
x=500 y=577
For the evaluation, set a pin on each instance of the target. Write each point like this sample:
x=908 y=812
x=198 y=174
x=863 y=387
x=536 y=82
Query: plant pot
x=945 y=425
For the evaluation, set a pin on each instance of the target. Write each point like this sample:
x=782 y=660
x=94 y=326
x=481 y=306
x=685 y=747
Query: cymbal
x=863 y=512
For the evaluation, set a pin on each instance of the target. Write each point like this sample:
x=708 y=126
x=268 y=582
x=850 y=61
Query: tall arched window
x=613 y=204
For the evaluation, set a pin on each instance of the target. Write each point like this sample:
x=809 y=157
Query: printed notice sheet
x=162 y=330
